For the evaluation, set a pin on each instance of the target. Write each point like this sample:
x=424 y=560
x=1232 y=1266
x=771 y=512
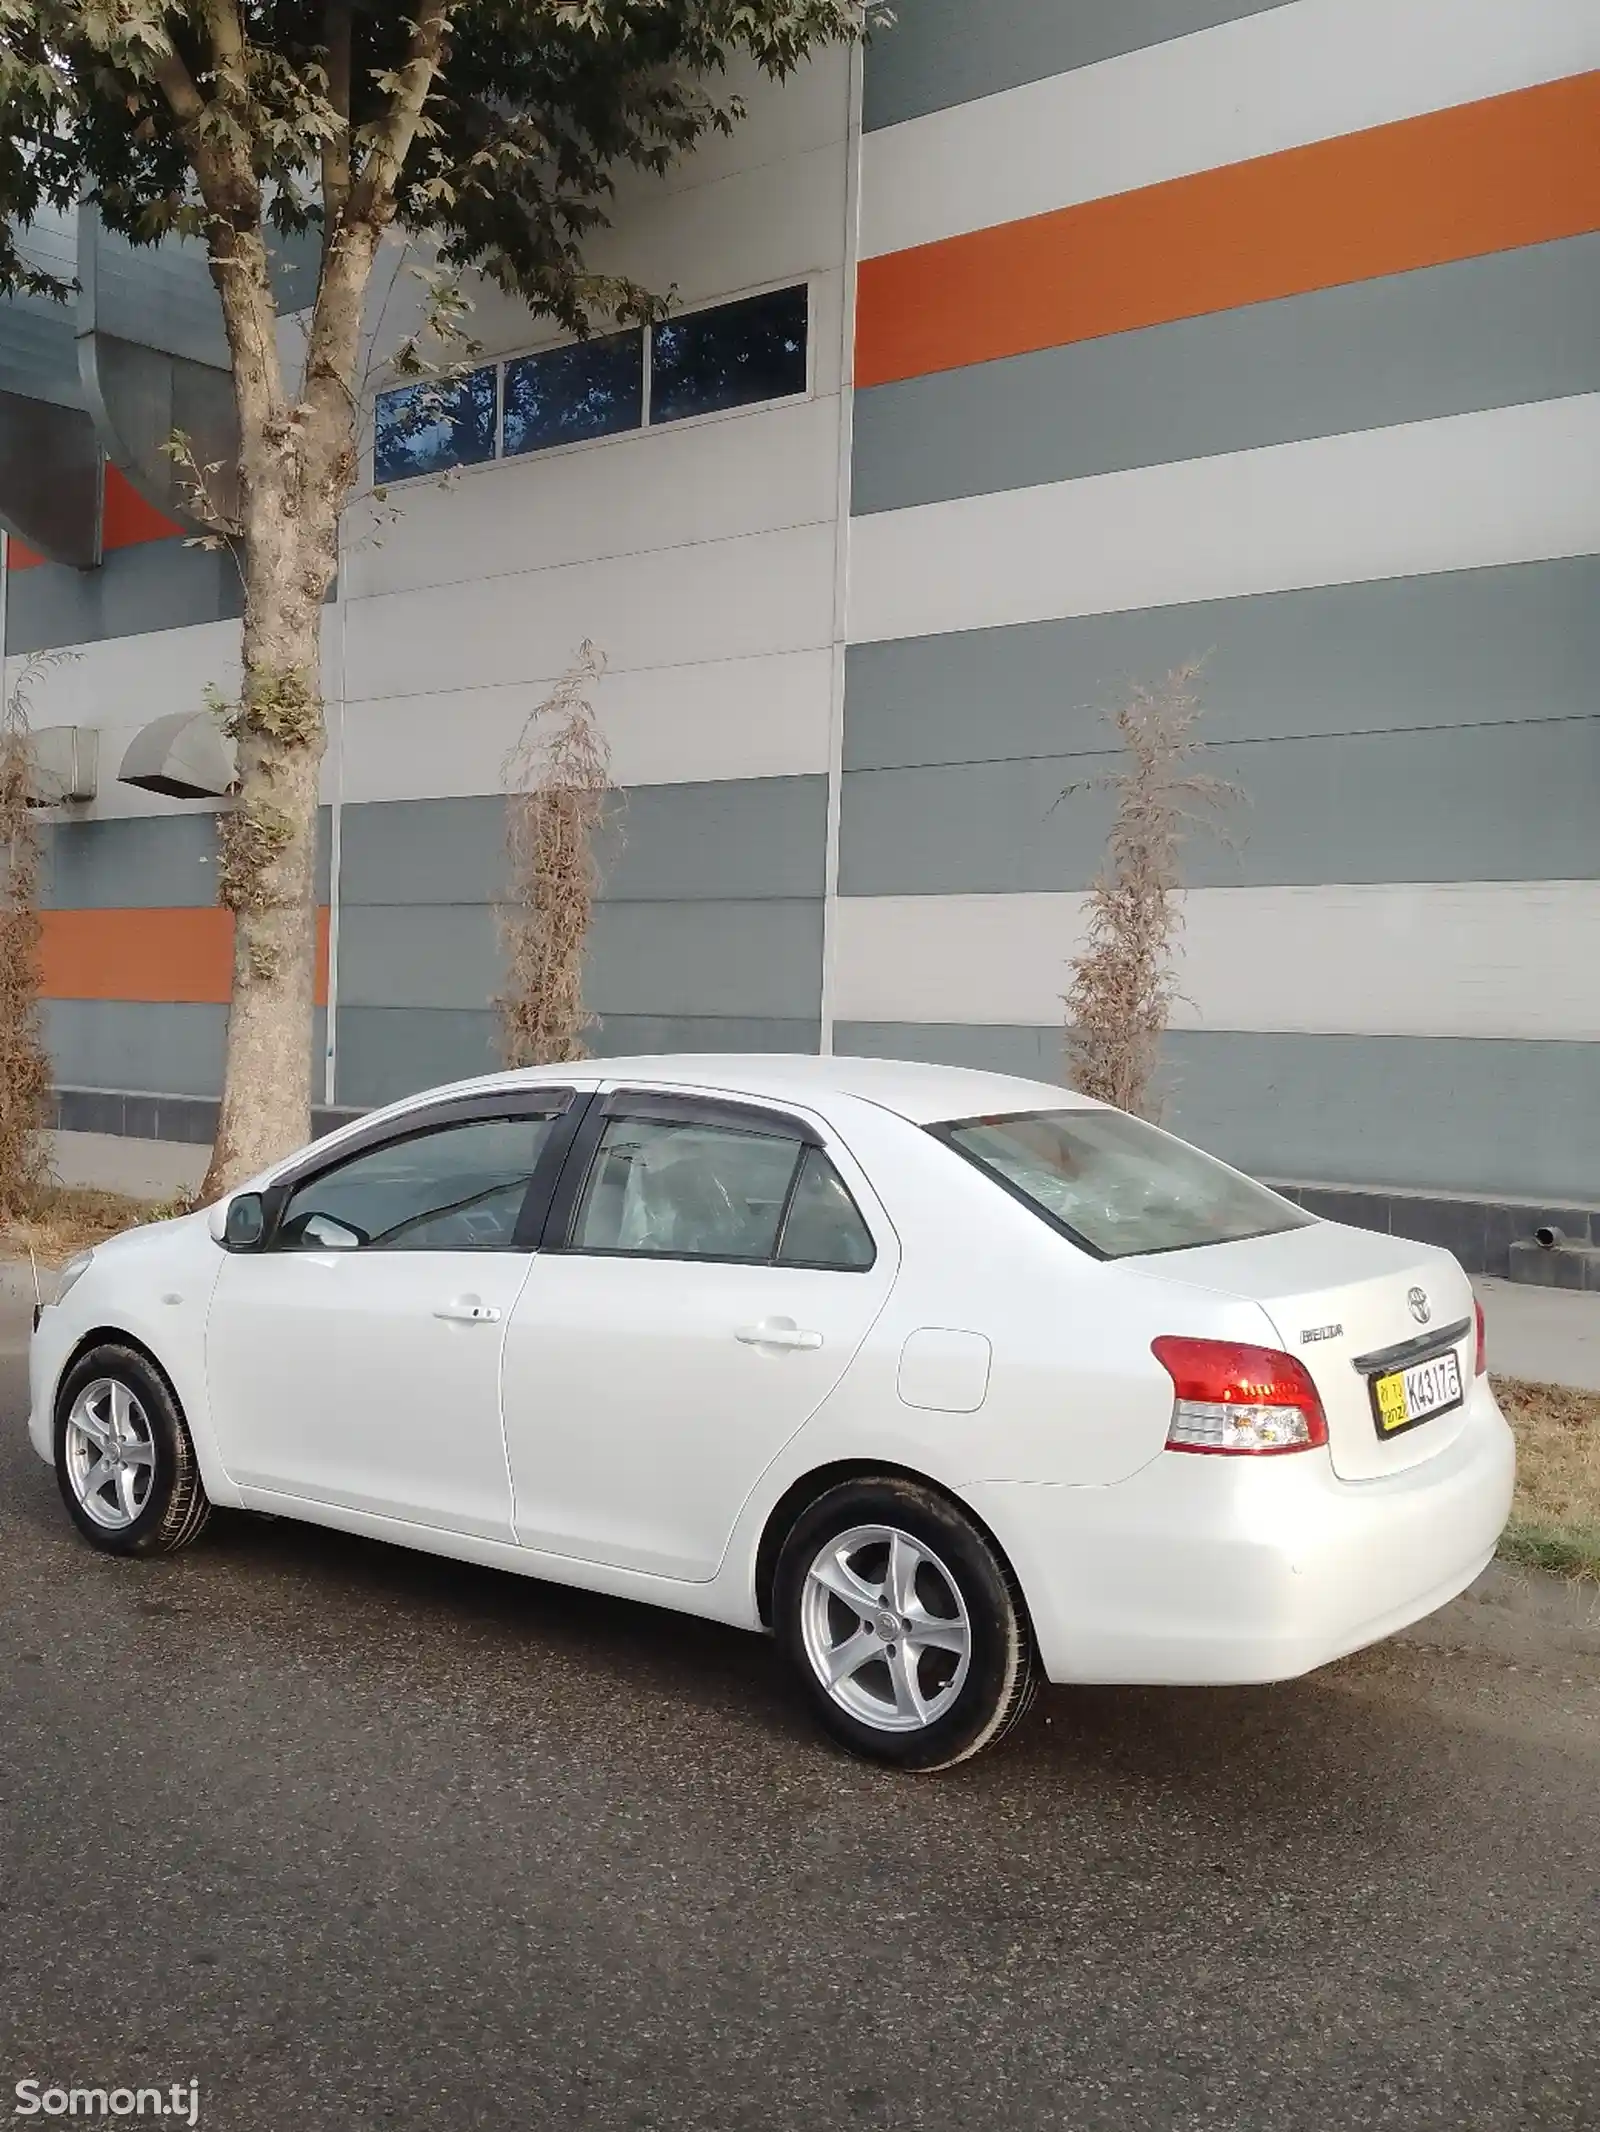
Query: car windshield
x=1118 y=1185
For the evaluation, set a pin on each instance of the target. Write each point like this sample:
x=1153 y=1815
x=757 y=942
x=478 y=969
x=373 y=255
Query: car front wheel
x=124 y=1460
x=905 y=1625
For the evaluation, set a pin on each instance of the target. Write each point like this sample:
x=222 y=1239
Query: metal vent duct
x=184 y=755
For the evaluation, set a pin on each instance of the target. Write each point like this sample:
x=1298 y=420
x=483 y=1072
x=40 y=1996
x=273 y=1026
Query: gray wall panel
x=418 y=955
x=166 y=1048
x=1432 y=1113
x=156 y=584
x=645 y=1035
x=759 y=958
x=750 y=960
x=1482 y=803
x=744 y=837
x=1465 y=647
x=1493 y=332
x=943 y=52
x=109 y=1043
x=388 y=1052
x=143 y=862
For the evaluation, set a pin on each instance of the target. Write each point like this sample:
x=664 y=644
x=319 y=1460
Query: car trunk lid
x=1353 y=1306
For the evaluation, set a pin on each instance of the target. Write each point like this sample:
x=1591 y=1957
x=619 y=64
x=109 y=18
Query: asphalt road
x=355 y=1837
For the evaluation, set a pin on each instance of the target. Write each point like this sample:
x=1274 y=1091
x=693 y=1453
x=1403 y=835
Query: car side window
x=455 y=1188
x=681 y=1190
x=824 y=1225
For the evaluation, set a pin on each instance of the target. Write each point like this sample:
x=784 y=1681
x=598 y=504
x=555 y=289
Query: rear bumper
x=1210 y=1571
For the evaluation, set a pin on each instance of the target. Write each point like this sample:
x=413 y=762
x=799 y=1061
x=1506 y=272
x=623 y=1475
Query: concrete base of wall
x=124 y=1114
x=1486 y=1235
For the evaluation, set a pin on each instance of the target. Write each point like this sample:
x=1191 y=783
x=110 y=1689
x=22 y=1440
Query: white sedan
x=949 y=1380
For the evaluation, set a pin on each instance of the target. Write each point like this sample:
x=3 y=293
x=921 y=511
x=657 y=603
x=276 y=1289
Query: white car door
x=706 y=1278
x=354 y=1357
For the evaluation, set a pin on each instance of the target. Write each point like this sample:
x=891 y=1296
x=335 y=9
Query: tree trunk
x=268 y=878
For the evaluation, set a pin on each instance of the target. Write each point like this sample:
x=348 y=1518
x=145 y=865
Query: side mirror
x=245 y=1223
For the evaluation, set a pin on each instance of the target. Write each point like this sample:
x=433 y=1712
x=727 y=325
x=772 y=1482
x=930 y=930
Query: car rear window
x=1117 y=1185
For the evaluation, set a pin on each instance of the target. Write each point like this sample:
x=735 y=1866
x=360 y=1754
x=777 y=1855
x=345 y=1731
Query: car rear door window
x=455 y=1188
x=686 y=1190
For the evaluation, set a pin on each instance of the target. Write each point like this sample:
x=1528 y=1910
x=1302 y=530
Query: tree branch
x=372 y=195
x=184 y=100
x=227 y=36
x=338 y=34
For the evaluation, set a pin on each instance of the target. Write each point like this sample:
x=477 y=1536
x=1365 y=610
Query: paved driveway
x=354 y=1837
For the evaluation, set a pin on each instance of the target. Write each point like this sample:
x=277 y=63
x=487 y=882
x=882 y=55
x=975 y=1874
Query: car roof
x=915 y=1089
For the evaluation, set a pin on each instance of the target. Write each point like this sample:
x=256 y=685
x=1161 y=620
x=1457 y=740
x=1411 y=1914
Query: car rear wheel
x=125 y=1463
x=904 y=1623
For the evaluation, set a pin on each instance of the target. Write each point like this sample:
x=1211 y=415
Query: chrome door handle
x=469 y=1314
x=775 y=1335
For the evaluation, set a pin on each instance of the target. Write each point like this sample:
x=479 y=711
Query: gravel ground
x=356 y=1837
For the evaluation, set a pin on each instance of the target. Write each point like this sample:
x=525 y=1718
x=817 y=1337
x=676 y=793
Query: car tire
x=904 y=1623
x=124 y=1458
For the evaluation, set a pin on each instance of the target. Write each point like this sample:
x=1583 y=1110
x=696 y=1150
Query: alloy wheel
x=110 y=1454
x=885 y=1628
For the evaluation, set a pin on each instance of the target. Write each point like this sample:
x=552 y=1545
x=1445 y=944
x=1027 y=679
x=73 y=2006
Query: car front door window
x=456 y=1188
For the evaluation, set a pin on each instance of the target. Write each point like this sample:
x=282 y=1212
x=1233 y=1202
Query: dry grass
x=1555 y=1519
x=64 y=1219
x=558 y=788
x=1124 y=978
x=24 y=1063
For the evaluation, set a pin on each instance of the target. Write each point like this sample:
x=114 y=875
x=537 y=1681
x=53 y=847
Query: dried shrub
x=1124 y=980
x=25 y=1073
x=558 y=793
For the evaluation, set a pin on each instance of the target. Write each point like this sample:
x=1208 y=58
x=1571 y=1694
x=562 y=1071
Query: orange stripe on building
x=1487 y=177
x=168 y=956
x=126 y=519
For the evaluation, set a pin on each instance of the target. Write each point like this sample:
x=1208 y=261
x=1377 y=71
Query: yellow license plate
x=1402 y=1398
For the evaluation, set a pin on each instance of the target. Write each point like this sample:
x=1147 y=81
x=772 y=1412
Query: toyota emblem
x=1418 y=1300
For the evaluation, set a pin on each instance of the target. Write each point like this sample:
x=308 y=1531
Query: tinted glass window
x=1120 y=1184
x=728 y=357
x=590 y=389
x=432 y=426
x=686 y=1191
x=457 y=1189
x=824 y=1227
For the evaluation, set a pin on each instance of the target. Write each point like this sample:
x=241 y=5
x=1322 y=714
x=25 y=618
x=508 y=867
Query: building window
x=587 y=389
x=730 y=357
x=704 y=362
x=430 y=427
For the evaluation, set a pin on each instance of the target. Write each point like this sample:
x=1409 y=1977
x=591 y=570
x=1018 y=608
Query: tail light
x=1481 y=1358
x=1235 y=1399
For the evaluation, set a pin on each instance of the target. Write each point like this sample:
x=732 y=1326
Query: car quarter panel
x=1073 y=1393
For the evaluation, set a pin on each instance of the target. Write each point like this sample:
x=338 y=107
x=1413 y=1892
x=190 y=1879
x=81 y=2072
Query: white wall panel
x=757 y=717
x=659 y=488
x=1248 y=88
x=729 y=599
x=1516 y=484
x=1478 y=959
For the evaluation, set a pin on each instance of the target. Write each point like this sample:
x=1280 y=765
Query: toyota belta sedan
x=949 y=1380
